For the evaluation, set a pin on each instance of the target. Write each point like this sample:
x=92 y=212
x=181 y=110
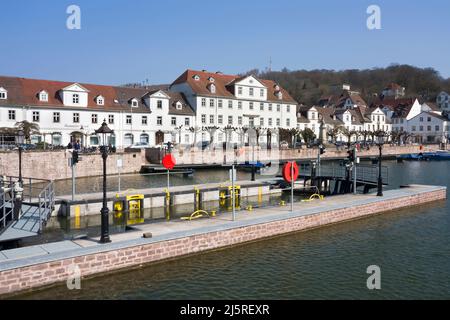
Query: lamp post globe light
x=104 y=133
x=381 y=140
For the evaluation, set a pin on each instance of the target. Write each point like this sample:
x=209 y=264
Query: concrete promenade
x=43 y=265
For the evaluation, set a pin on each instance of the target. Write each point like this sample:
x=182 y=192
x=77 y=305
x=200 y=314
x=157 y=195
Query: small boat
x=249 y=165
x=427 y=156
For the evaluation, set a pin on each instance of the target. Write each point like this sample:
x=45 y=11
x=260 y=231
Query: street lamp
x=104 y=132
x=20 y=141
x=381 y=140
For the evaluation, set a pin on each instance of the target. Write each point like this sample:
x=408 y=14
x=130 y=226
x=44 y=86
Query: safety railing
x=46 y=203
x=6 y=206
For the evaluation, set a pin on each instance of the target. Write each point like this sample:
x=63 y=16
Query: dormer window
x=3 y=94
x=212 y=88
x=277 y=87
x=178 y=105
x=211 y=79
x=43 y=96
x=279 y=95
x=134 y=103
x=100 y=101
x=196 y=77
x=76 y=98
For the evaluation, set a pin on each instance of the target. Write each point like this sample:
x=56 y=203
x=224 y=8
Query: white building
x=393 y=90
x=443 y=101
x=429 y=127
x=221 y=101
x=71 y=111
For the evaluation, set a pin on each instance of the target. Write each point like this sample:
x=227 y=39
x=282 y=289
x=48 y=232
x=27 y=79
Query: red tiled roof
x=223 y=85
x=24 y=92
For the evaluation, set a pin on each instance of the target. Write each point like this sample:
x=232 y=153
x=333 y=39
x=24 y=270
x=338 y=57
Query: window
x=212 y=88
x=76 y=118
x=12 y=114
x=261 y=92
x=413 y=128
x=270 y=122
x=278 y=108
x=421 y=119
x=278 y=122
x=421 y=128
x=129 y=119
x=179 y=106
x=251 y=105
x=159 y=121
x=250 y=92
x=134 y=103
x=173 y=121
x=36 y=116
x=204 y=118
x=159 y=104
x=144 y=120
x=230 y=104
x=230 y=120
x=288 y=108
x=270 y=107
x=240 y=105
x=251 y=122
x=261 y=122
x=187 y=122
x=76 y=98
x=94 y=118
x=43 y=96
x=211 y=119
x=437 y=128
x=428 y=128
x=261 y=106
x=288 y=122
x=220 y=119
x=220 y=104
x=3 y=94
x=186 y=138
x=100 y=101
x=211 y=103
x=111 y=119
x=239 y=90
x=240 y=121
x=203 y=102
x=56 y=117
x=429 y=119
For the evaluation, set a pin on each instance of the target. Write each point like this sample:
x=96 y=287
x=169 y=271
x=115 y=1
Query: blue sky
x=130 y=41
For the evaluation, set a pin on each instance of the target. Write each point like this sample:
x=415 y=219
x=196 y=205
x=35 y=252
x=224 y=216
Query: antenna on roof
x=270 y=64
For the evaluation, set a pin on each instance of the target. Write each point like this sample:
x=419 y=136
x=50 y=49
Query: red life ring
x=169 y=162
x=287 y=171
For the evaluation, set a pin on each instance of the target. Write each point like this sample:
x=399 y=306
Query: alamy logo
x=74 y=20
x=74 y=279
x=374 y=19
x=374 y=281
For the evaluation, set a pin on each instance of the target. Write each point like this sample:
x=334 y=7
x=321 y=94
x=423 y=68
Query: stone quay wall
x=57 y=271
x=54 y=165
x=219 y=156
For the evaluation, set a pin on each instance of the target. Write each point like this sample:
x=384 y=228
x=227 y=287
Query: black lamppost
x=381 y=139
x=105 y=132
x=20 y=141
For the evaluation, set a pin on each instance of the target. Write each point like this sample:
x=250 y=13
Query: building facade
x=69 y=112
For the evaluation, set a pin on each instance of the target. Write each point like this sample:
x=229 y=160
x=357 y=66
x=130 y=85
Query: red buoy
x=287 y=172
x=169 y=162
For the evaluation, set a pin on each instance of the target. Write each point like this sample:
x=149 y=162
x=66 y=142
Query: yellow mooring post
x=260 y=197
x=167 y=204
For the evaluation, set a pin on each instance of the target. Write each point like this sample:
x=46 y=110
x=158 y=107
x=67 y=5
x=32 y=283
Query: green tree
x=28 y=128
x=308 y=135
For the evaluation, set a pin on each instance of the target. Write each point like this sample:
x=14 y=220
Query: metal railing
x=6 y=207
x=364 y=173
x=46 y=203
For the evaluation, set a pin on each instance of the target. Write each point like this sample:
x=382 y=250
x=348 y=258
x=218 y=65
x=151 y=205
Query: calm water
x=412 y=247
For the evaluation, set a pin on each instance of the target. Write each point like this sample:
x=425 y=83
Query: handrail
x=46 y=203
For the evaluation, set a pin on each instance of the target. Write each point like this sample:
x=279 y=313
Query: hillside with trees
x=308 y=86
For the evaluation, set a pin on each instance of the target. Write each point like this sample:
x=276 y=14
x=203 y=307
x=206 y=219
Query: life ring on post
x=287 y=171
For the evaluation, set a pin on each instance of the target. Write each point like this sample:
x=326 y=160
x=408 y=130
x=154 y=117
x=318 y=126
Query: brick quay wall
x=50 y=270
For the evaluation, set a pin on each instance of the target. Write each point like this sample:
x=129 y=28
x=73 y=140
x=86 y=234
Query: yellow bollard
x=213 y=213
x=282 y=203
x=260 y=197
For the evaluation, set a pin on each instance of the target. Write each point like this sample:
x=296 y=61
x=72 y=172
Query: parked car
x=140 y=145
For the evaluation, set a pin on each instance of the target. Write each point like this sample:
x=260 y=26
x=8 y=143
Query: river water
x=412 y=248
